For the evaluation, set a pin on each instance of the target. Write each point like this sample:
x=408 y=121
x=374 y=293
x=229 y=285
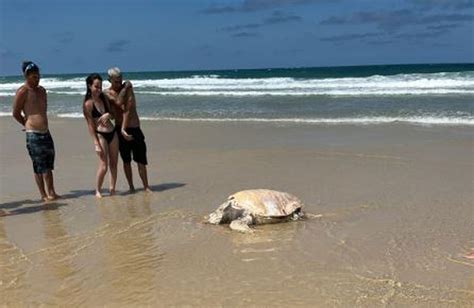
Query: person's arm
x=112 y=100
x=45 y=98
x=18 y=105
x=124 y=94
x=126 y=113
x=87 y=111
x=44 y=91
x=111 y=110
x=108 y=115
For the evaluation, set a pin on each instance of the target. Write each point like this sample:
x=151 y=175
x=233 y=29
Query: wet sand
x=396 y=204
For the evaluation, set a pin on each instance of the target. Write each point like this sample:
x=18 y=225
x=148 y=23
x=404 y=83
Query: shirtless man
x=127 y=123
x=29 y=109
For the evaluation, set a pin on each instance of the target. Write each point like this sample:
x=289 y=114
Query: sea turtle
x=256 y=206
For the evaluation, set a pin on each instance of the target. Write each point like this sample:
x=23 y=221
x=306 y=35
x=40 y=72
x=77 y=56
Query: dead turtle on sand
x=256 y=206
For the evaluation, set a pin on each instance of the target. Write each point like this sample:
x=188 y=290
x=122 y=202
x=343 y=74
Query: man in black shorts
x=131 y=138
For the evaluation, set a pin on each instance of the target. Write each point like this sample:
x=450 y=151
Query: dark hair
x=89 y=80
x=29 y=66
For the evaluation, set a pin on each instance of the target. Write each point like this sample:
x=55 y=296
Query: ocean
x=437 y=94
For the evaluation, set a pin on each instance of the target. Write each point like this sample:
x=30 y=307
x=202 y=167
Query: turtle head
x=216 y=216
x=224 y=214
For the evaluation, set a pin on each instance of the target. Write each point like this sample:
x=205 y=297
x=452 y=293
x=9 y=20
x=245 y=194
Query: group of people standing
x=100 y=107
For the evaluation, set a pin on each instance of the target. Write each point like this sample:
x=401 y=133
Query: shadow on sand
x=154 y=188
x=17 y=204
x=32 y=209
x=73 y=194
x=166 y=186
x=18 y=207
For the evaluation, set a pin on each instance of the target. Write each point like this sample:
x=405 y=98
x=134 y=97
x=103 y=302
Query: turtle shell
x=265 y=202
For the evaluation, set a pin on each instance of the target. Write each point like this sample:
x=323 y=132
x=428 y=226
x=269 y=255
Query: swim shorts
x=41 y=149
x=137 y=146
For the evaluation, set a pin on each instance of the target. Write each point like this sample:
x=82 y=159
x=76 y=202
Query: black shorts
x=41 y=149
x=137 y=146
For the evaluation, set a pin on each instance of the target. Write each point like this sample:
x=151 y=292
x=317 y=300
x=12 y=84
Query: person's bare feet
x=470 y=255
x=131 y=190
x=98 y=194
x=111 y=192
x=147 y=189
x=52 y=197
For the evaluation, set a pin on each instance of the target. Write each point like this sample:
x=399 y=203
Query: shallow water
x=136 y=250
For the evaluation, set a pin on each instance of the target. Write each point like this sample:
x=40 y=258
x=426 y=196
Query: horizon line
x=257 y=69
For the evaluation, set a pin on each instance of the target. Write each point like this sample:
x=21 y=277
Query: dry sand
x=396 y=200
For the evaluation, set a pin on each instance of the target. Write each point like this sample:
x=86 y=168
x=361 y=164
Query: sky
x=70 y=36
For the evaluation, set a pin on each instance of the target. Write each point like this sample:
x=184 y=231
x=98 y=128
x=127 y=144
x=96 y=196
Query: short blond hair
x=114 y=72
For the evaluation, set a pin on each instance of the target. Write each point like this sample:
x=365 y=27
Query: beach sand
x=396 y=203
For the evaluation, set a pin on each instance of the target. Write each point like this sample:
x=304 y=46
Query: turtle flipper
x=242 y=224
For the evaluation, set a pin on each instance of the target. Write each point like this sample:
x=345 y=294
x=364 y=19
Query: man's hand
x=104 y=118
x=127 y=84
x=126 y=135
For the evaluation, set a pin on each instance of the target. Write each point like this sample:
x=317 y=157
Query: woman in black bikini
x=96 y=111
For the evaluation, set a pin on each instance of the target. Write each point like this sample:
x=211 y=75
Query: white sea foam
x=420 y=113
x=211 y=85
x=423 y=120
x=368 y=92
x=81 y=93
x=362 y=120
x=70 y=115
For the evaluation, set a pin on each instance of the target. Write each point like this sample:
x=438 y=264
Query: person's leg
x=40 y=183
x=125 y=154
x=35 y=146
x=139 y=156
x=48 y=179
x=102 y=168
x=113 y=160
x=127 y=169
x=49 y=156
x=144 y=176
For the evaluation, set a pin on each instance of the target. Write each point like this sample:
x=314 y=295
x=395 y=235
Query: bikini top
x=96 y=113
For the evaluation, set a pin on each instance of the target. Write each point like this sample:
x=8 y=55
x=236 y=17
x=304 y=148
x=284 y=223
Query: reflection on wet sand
x=13 y=268
x=48 y=264
x=271 y=234
x=130 y=258
x=136 y=256
x=116 y=263
x=56 y=269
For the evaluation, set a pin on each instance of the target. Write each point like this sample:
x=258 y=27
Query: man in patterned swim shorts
x=29 y=109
